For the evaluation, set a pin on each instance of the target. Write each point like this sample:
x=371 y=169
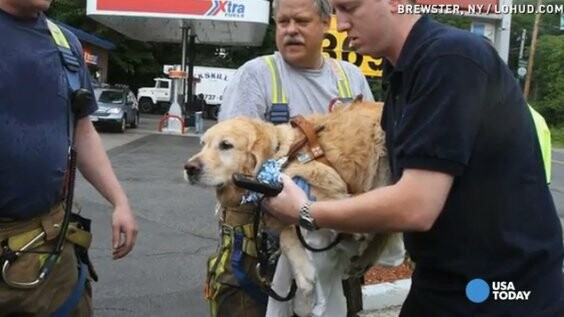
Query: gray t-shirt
x=249 y=92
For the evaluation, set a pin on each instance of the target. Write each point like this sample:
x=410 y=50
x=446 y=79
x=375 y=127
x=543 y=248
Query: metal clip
x=6 y=266
x=282 y=161
x=262 y=279
x=304 y=157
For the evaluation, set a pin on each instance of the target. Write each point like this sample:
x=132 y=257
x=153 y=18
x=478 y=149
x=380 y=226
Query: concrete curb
x=384 y=295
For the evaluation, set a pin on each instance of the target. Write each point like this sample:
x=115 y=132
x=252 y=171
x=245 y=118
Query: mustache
x=293 y=40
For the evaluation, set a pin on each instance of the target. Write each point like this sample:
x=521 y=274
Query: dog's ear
x=260 y=145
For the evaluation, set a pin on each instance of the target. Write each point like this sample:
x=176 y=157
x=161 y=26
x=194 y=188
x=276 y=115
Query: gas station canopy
x=238 y=22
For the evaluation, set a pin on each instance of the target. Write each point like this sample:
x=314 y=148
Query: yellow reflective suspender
x=71 y=66
x=69 y=59
x=57 y=35
x=343 y=85
x=279 y=112
x=278 y=94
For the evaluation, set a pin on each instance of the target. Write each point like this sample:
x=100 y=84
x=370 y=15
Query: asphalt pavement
x=164 y=275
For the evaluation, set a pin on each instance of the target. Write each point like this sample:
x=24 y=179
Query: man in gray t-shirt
x=309 y=90
x=310 y=83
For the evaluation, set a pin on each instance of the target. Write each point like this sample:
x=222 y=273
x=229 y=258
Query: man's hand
x=124 y=231
x=286 y=206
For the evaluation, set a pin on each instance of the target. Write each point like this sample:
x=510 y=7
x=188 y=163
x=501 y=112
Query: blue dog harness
x=268 y=173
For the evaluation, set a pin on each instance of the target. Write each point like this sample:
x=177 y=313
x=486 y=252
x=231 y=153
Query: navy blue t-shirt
x=34 y=101
x=453 y=106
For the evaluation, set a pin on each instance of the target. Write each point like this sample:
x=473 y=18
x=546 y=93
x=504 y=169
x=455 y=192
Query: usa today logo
x=478 y=291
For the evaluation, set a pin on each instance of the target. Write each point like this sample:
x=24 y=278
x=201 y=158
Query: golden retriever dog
x=352 y=142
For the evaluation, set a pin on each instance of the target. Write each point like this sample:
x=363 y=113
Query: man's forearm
x=95 y=165
x=380 y=210
x=413 y=204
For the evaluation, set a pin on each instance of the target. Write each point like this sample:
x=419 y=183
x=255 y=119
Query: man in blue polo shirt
x=35 y=103
x=469 y=189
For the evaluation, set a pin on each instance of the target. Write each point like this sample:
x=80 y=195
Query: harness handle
x=338 y=239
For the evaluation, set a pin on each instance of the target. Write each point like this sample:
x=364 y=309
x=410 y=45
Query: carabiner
x=6 y=266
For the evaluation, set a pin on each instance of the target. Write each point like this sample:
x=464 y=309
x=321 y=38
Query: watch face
x=302 y=222
x=305 y=222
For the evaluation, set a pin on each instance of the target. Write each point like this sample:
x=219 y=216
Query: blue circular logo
x=477 y=290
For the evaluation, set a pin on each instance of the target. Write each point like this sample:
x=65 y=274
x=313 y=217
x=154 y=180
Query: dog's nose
x=193 y=167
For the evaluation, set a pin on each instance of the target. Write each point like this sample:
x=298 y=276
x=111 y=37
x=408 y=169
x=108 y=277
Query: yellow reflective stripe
x=248 y=230
x=213 y=308
x=226 y=240
x=249 y=246
x=57 y=34
x=273 y=77
x=278 y=95
x=217 y=266
x=341 y=89
x=343 y=84
x=222 y=263
x=543 y=134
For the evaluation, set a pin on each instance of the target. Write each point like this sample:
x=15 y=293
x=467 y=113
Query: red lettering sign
x=195 y=7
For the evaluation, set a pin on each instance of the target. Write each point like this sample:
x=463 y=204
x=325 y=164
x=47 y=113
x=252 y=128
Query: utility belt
x=22 y=236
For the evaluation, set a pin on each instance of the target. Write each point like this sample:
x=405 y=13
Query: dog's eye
x=224 y=145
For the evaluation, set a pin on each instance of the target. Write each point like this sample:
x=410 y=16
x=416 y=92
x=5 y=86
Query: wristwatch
x=306 y=221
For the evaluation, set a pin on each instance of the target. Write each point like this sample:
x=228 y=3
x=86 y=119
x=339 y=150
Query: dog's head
x=237 y=145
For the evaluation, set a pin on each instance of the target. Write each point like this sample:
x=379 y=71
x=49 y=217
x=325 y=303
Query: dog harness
x=250 y=240
x=279 y=111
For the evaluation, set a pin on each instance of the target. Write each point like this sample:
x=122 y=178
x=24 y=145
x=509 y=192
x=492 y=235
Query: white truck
x=213 y=81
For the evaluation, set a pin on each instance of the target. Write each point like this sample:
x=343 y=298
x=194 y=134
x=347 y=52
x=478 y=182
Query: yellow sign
x=336 y=45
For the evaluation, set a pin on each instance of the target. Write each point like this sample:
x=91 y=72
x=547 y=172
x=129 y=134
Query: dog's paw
x=304 y=300
x=306 y=276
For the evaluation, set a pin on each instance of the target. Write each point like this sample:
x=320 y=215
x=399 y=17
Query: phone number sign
x=336 y=45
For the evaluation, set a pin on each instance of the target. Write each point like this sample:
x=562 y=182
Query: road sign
x=522 y=71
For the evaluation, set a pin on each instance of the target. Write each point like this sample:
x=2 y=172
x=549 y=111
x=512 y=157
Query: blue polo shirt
x=34 y=103
x=453 y=106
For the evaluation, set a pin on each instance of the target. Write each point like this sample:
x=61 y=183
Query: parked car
x=117 y=108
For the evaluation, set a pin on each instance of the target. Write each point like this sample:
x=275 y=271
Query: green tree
x=548 y=79
x=547 y=82
x=132 y=62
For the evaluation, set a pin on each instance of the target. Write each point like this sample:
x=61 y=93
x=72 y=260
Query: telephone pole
x=532 y=53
